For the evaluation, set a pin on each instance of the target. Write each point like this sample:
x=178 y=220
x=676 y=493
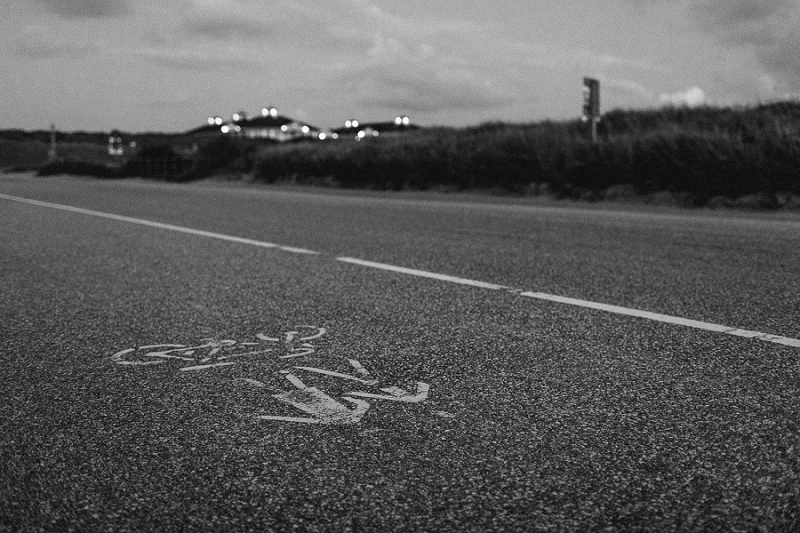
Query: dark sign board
x=591 y=99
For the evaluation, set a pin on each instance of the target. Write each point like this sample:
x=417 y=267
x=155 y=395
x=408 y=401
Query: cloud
x=625 y=87
x=86 y=8
x=228 y=27
x=38 y=42
x=738 y=12
x=199 y=58
x=691 y=97
x=415 y=87
x=770 y=27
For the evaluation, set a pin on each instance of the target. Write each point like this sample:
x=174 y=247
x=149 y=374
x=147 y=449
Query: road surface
x=214 y=357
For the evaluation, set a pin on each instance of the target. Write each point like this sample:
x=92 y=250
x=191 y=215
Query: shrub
x=78 y=168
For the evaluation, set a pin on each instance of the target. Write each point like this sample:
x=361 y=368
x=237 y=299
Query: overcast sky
x=166 y=65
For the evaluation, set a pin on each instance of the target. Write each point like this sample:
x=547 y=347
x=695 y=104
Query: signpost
x=591 y=104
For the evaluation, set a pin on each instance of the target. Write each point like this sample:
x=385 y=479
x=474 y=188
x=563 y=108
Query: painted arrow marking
x=396 y=394
x=322 y=408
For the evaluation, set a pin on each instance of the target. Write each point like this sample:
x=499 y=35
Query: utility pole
x=591 y=104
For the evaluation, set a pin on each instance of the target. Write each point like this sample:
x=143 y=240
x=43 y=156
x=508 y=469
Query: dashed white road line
x=658 y=317
x=668 y=319
x=423 y=274
x=161 y=225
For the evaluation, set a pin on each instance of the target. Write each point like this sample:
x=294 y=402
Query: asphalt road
x=158 y=378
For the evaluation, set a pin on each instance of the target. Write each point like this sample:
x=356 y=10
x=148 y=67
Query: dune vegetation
x=693 y=157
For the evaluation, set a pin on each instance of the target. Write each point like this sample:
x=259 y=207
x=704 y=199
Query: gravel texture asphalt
x=539 y=416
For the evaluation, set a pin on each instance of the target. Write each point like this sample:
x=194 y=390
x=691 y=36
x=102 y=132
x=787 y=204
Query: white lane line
x=423 y=274
x=669 y=319
x=708 y=326
x=161 y=225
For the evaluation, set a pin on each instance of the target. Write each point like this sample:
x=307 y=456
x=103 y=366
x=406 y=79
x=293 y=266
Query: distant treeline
x=700 y=156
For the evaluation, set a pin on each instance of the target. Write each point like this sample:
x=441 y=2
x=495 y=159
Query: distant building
x=270 y=125
x=115 y=147
x=267 y=125
x=360 y=130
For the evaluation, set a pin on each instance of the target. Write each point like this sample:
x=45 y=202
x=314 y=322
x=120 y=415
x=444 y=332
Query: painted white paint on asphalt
x=668 y=319
x=203 y=367
x=423 y=274
x=396 y=394
x=253 y=382
x=358 y=367
x=778 y=339
x=322 y=408
x=161 y=225
x=301 y=351
x=336 y=374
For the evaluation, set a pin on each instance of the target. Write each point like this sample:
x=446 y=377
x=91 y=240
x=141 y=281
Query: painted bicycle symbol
x=319 y=406
x=212 y=353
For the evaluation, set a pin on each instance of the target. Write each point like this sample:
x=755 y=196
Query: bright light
x=218 y=121
x=273 y=112
x=264 y=111
x=306 y=129
x=238 y=128
x=406 y=121
x=284 y=128
x=348 y=123
x=375 y=133
x=361 y=134
x=236 y=117
x=322 y=136
x=398 y=120
x=335 y=135
x=210 y=121
x=225 y=129
x=354 y=123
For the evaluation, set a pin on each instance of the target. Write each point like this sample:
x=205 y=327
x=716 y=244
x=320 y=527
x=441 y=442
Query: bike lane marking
x=161 y=225
x=657 y=317
x=323 y=408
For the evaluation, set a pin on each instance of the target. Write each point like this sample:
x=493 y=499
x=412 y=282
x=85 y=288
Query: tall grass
x=703 y=153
